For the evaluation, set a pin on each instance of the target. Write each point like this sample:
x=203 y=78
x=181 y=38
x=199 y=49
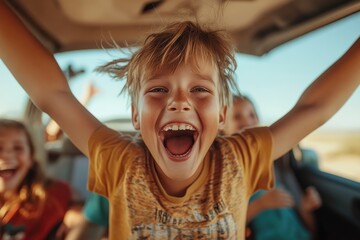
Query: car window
x=107 y=104
x=13 y=98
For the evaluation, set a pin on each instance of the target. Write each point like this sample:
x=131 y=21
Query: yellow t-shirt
x=214 y=206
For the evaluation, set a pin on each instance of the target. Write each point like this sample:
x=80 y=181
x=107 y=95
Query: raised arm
x=53 y=131
x=39 y=74
x=320 y=101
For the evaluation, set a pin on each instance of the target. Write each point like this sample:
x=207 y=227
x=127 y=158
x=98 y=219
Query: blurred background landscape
x=339 y=152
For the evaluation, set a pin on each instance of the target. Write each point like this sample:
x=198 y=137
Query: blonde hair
x=31 y=192
x=246 y=99
x=176 y=45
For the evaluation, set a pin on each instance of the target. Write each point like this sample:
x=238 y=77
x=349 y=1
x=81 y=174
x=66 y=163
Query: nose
x=179 y=102
x=5 y=153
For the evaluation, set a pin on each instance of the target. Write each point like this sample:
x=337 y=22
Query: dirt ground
x=339 y=153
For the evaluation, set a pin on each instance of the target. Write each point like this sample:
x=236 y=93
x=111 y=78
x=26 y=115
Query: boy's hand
x=311 y=200
x=277 y=198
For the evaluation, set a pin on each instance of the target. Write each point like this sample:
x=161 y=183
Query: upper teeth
x=6 y=168
x=178 y=126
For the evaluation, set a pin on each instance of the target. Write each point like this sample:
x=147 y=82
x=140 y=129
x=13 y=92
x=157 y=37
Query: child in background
x=31 y=206
x=95 y=220
x=179 y=180
x=241 y=115
x=284 y=212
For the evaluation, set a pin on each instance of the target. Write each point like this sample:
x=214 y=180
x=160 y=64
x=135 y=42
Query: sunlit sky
x=274 y=81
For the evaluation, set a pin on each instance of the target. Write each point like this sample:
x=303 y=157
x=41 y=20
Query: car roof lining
x=260 y=25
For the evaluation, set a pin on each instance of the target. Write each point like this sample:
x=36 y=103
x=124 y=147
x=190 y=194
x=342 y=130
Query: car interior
x=257 y=27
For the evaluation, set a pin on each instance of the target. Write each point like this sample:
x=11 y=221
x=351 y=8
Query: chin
x=180 y=174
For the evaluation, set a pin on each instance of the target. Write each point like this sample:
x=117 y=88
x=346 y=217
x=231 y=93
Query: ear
x=135 y=117
x=222 y=117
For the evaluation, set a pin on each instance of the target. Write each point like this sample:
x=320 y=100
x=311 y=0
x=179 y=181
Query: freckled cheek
x=151 y=105
x=26 y=160
x=209 y=112
x=209 y=105
x=149 y=111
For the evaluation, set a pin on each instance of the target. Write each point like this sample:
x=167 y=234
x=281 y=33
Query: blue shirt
x=96 y=210
x=278 y=224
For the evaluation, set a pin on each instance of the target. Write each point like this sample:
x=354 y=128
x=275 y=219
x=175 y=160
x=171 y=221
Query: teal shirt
x=96 y=210
x=278 y=224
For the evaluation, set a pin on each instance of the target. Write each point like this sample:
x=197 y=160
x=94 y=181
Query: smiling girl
x=31 y=206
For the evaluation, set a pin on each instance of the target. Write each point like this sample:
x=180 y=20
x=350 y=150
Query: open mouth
x=7 y=173
x=178 y=139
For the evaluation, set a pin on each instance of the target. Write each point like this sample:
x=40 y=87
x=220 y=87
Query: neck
x=176 y=188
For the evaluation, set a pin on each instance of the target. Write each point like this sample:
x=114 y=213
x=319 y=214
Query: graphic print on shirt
x=214 y=224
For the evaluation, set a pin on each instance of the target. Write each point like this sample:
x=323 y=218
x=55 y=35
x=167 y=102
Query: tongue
x=178 y=145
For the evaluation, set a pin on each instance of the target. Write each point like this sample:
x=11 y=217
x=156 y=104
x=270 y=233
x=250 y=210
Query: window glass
x=13 y=98
x=79 y=66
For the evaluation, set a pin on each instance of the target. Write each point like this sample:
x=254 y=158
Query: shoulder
x=106 y=143
x=258 y=134
x=107 y=137
x=103 y=133
x=258 y=137
x=250 y=147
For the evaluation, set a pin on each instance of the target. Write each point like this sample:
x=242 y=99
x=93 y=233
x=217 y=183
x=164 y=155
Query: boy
x=179 y=180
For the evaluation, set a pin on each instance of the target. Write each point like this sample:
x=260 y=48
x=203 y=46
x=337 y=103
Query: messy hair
x=31 y=192
x=174 y=46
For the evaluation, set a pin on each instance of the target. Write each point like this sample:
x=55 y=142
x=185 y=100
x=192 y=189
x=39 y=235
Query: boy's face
x=242 y=115
x=15 y=158
x=179 y=115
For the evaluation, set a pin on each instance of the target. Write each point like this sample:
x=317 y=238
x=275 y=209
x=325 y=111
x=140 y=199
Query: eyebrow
x=153 y=77
x=205 y=77
x=198 y=75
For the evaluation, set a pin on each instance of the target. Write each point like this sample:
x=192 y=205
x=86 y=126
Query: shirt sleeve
x=110 y=157
x=254 y=150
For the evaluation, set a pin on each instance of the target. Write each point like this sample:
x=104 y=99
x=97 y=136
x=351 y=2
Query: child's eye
x=199 y=89
x=158 y=90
